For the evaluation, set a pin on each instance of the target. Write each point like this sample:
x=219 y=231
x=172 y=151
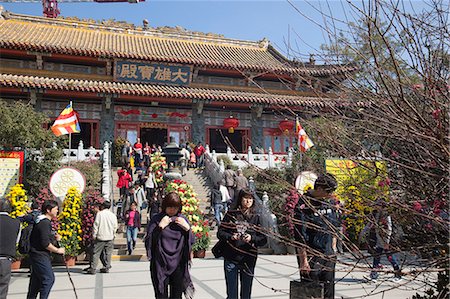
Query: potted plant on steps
x=202 y=238
x=70 y=225
x=199 y=226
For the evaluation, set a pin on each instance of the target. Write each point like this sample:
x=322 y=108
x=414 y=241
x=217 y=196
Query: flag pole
x=297 y=123
x=70 y=141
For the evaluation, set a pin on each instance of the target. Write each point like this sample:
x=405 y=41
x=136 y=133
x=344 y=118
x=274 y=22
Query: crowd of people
x=140 y=186
x=169 y=236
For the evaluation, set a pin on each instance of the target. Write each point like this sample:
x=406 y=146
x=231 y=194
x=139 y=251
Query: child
x=193 y=160
x=132 y=219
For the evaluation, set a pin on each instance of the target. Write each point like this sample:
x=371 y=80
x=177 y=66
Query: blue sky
x=247 y=20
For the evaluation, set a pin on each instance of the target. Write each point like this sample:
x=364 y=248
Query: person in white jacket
x=105 y=227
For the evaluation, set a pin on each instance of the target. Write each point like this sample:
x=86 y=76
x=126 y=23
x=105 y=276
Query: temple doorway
x=219 y=139
x=153 y=136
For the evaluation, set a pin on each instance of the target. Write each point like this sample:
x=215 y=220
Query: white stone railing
x=81 y=154
x=263 y=161
x=215 y=169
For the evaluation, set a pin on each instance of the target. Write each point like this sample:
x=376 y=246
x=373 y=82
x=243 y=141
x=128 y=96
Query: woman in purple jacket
x=133 y=221
x=168 y=242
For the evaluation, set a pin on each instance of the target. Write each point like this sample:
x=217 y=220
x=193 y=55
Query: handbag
x=219 y=248
x=306 y=289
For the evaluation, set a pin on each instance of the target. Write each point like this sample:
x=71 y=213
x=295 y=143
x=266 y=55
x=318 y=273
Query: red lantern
x=230 y=124
x=286 y=126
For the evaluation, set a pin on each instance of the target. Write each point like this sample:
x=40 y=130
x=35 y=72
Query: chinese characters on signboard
x=11 y=170
x=131 y=71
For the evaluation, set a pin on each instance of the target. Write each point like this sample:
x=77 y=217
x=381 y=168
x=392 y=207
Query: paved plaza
x=131 y=279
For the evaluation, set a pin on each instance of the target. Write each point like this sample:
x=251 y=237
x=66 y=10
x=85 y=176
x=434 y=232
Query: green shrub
x=92 y=171
x=40 y=167
x=226 y=162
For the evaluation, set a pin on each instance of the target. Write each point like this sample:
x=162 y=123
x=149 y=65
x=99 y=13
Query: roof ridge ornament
x=264 y=43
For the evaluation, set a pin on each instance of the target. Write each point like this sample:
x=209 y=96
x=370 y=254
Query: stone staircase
x=201 y=185
x=120 y=251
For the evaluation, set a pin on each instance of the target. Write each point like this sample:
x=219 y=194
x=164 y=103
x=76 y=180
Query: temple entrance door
x=219 y=138
x=153 y=136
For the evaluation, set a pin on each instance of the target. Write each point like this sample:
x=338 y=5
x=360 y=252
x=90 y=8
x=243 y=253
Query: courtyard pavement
x=131 y=279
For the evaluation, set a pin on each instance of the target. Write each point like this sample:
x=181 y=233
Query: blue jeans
x=219 y=208
x=376 y=262
x=42 y=277
x=131 y=237
x=232 y=271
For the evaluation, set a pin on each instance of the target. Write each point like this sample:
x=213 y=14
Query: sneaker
x=87 y=269
x=104 y=270
x=370 y=279
x=397 y=279
x=91 y=272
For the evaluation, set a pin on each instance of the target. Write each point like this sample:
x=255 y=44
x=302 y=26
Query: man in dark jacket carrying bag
x=9 y=230
x=316 y=226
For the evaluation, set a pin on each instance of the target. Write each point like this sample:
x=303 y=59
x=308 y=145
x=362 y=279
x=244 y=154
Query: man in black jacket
x=316 y=227
x=9 y=231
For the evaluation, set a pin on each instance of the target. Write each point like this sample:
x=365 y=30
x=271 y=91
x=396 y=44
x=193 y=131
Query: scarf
x=167 y=249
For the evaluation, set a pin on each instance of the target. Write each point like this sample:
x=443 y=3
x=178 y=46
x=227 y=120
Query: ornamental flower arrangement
x=19 y=201
x=158 y=164
x=70 y=222
x=88 y=216
x=199 y=226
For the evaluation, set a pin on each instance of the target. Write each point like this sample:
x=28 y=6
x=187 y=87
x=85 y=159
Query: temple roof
x=169 y=91
x=76 y=37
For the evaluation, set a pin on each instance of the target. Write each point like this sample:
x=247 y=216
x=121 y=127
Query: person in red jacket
x=199 y=150
x=124 y=181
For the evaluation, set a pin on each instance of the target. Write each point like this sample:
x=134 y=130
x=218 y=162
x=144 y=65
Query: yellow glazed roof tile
x=79 y=38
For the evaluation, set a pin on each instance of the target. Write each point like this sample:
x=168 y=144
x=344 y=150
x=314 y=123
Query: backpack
x=216 y=196
x=24 y=245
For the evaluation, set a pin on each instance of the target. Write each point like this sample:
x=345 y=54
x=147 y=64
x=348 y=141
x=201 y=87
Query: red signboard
x=11 y=170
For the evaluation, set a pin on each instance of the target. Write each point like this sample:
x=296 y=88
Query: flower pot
x=70 y=261
x=200 y=253
x=16 y=265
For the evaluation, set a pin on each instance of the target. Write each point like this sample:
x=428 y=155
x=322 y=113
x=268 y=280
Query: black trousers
x=5 y=277
x=174 y=283
x=323 y=270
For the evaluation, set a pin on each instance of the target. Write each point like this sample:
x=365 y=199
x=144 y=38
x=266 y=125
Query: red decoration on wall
x=176 y=114
x=132 y=111
x=286 y=126
x=154 y=115
x=231 y=123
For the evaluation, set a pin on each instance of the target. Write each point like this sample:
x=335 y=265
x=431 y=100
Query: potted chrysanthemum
x=19 y=204
x=70 y=225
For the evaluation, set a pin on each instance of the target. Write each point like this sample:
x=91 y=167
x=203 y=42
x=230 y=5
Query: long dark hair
x=238 y=202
